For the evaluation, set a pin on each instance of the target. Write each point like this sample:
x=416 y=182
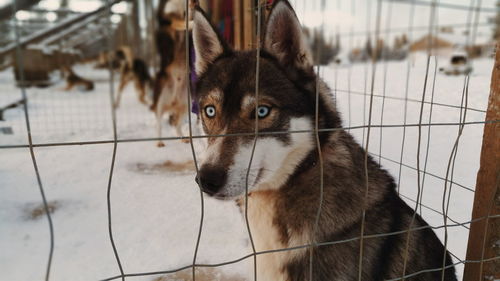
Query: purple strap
x=195 y=108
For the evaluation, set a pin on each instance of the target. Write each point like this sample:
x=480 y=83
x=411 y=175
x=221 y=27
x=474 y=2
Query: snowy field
x=156 y=210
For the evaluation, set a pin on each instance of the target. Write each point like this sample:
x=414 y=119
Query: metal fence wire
x=377 y=78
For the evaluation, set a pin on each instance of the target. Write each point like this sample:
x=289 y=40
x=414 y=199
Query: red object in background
x=223 y=18
x=227 y=13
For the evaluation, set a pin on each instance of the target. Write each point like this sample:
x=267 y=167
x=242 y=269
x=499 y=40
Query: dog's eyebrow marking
x=215 y=94
x=248 y=101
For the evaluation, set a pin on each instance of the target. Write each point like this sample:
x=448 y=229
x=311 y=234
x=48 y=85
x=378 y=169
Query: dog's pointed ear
x=208 y=45
x=285 y=39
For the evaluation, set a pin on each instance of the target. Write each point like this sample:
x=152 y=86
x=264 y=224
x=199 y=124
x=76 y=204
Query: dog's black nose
x=211 y=179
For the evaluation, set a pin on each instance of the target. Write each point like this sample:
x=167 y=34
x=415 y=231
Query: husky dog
x=284 y=178
x=133 y=69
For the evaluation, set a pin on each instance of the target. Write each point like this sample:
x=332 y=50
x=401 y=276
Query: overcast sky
x=344 y=16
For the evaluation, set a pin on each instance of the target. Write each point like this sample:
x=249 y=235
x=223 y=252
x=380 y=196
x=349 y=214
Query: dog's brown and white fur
x=74 y=80
x=285 y=176
x=133 y=70
x=171 y=86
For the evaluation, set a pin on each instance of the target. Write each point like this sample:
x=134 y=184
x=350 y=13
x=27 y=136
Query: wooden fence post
x=238 y=25
x=484 y=235
x=248 y=24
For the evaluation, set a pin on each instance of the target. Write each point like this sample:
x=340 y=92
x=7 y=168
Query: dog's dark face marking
x=228 y=97
x=228 y=103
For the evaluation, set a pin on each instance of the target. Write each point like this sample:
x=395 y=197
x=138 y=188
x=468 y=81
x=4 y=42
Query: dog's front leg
x=123 y=83
x=159 y=116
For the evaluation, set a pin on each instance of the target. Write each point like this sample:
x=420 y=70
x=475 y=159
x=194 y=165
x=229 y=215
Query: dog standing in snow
x=171 y=83
x=284 y=177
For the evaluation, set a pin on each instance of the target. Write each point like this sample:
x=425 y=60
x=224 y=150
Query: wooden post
x=484 y=235
x=237 y=25
x=248 y=24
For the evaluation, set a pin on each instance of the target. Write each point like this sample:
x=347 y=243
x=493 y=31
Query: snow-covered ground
x=156 y=211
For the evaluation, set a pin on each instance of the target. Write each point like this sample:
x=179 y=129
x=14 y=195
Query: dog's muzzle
x=211 y=179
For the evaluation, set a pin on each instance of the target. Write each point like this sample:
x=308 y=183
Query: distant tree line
x=381 y=51
x=326 y=49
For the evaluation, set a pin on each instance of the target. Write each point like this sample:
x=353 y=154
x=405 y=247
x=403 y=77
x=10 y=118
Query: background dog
x=73 y=80
x=171 y=83
x=286 y=174
x=136 y=70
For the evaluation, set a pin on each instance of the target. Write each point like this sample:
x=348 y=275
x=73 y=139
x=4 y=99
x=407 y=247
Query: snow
x=156 y=212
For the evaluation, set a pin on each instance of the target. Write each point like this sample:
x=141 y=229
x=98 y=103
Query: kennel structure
x=381 y=59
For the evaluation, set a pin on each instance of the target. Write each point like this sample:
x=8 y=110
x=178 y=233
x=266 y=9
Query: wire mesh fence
x=416 y=112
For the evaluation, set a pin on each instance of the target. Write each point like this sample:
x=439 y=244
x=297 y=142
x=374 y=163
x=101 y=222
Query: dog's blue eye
x=210 y=111
x=263 y=111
